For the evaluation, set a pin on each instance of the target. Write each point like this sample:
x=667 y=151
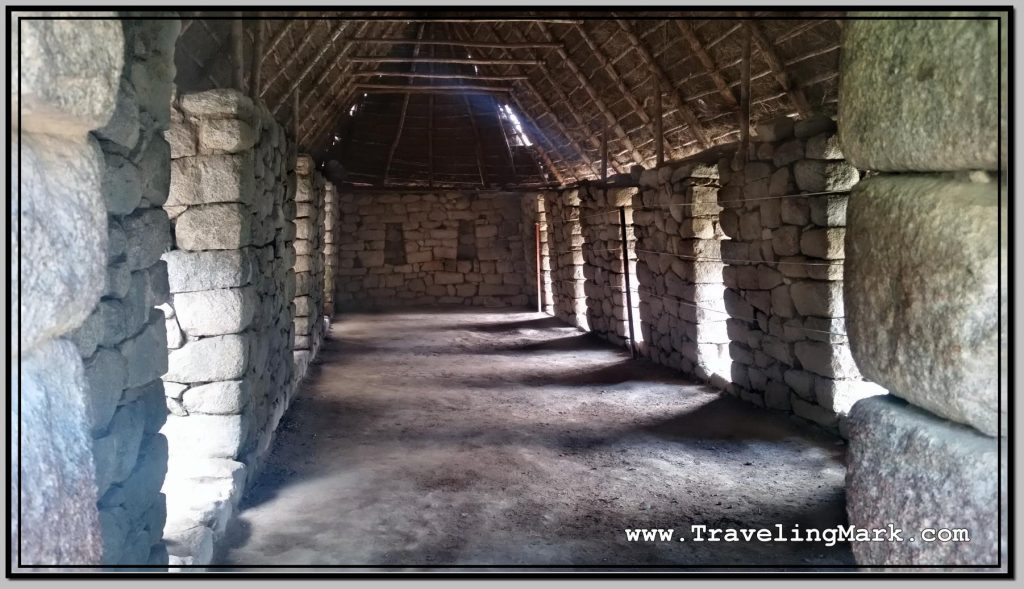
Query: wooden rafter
x=476 y=131
x=475 y=44
x=438 y=89
x=401 y=118
x=706 y=60
x=696 y=128
x=292 y=57
x=449 y=60
x=594 y=95
x=437 y=76
x=278 y=37
x=573 y=111
x=330 y=44
x=764 y=47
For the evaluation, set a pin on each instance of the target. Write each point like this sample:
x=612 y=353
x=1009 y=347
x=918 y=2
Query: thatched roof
x=517 y=98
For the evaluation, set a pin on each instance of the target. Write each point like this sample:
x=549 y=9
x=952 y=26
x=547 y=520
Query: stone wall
x=679 y=269
x=565 y=256
x=69 y=87
x=926 y=287
x=533 y=219
x=783 y=279
x=603 y=267
x=229 y=322
x=332 y=232
x=310 y=326
x=122 y=341
x=434 y=248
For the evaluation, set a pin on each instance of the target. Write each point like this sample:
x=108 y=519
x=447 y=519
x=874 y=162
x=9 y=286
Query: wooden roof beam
x=594 y=95
x=294 y=55
x=705 y=59
x=277 y=38
x=573 y=111
x=696 y=128
x=764 y=47
x=546 y=110
x=451 y=60
x=376 y=73
x=305 y=72
x=401 y=119
x=415 y=89
x=477 y=44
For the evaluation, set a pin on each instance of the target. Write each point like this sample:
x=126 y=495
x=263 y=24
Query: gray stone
x=58 y=520
x=225 y=136
x=824 y=176
x=206 y=179
x=123 y=127
x=207 y=270
x=924 y=95
x=122 y=185
x=155 y=171
x=824 y=147
x=106 y=374
x=201 y=436
x=830 y=360
x=924 y=299
x=145 y=352
x=818 y=298
x=63 y=248
x=788 y=153
x=823 y=243
x=914 y=470
x=839 y=396
x=813 y=125
x=215 y=312
x=222 y=357
x=117 y=452
x=149 y=236
x=70 y=72
x=814 y=413
x=217 y=104
x=214 y=227
x=142 y=488
x=218 y=398
x=828 y=211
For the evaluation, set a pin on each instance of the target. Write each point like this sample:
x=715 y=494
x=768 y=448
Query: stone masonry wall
x=59 y=235
x=531 y=215
x=310 y=326
x=122 y=341
x=332 y=231
x=785 y=271
x=678 y=248
x=229 y=322
x=603 y=267
x=565 y=256
x=926 y=294
x=435 y=248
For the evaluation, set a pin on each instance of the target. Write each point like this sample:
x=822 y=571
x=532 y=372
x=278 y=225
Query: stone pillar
x=332 y=219
x=309 y=266
x=679 y=269
x=923 y=297
x=123 y=341
x=229 y=320
x=69 y=87
x=784 y=271
x=565 y=239
x=604 y=267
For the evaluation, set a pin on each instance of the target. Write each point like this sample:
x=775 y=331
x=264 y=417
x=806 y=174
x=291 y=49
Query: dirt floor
x=434 y=438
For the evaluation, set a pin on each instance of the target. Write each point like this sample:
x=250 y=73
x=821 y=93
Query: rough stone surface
x=214 y=227
x=207 y=270
x=916 y=471
x=938 y=109
x=923 y=293
x=222 y=357
x=215 y=312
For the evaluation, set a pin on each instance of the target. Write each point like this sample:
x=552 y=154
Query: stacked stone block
x=229 y=322
x=565 y=244
x=332 y=219
x=926 y=285
x=310 y=327
x=531 y=215
x=784 y=272
x=59 y=235
x=428 y=249
x=679 y=269
x=603 y=268
x=547 y=289
x=122 y=341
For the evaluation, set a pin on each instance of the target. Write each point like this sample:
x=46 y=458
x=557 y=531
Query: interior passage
x=508 y=438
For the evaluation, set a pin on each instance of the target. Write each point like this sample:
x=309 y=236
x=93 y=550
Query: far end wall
x=461 y=248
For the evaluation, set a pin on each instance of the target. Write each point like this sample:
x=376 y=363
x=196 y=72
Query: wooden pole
x=437 y=76
x=238 y=53
x=452 y=60
x=255 y=79
x=745 y=98
x=456 y=43
x=604 y=154
x=659 y=132
x=439 y=89
x=625 y=277
x=540 y=287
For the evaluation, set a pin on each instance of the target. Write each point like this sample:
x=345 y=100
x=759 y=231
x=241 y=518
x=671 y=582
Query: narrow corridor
x=496 y=437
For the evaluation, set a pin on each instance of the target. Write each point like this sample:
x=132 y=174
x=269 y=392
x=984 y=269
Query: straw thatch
x=356 y=87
